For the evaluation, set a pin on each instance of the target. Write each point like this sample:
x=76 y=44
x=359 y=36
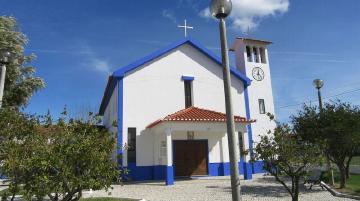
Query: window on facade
x=256 y=55
x=248 y=54
x=241 y=144
x=131 y=150
x=188 y=93
x=262 y=106
x=262 y=55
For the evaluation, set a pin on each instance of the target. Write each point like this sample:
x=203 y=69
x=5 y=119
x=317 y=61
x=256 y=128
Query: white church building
x=170 y=110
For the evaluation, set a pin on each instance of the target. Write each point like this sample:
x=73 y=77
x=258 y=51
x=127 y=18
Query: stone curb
x=337 y=194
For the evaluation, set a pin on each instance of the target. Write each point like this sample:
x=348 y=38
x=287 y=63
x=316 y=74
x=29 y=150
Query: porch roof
x=194 y=114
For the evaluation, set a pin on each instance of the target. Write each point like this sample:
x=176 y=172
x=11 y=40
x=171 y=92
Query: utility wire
x=339 y=94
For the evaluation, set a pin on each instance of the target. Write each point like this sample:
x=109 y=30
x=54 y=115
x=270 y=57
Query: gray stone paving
x=261 y=188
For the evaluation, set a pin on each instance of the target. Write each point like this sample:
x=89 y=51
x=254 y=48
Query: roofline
x=253 y=39
x=121 y=73
x=168 y=118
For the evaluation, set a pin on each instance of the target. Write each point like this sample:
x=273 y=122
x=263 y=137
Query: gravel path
x=261 y=188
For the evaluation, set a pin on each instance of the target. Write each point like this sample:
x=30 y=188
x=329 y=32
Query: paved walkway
x=213 y=188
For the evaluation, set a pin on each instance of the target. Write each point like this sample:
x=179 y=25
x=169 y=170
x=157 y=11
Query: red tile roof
x=194 y=114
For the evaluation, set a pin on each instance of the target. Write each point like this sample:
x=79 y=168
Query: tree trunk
x=15 y=190
x=342 y=170
x=347 y=169
x=13 y=196
x=295 y=196
x=330 y=173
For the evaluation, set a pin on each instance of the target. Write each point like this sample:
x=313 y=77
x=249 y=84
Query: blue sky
x=79 y=43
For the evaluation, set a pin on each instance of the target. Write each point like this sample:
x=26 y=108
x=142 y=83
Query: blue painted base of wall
x=142 y=173
x=247 y=171
x=223 y=169
x=169 y=175
x=219 y=169
x=258 y=167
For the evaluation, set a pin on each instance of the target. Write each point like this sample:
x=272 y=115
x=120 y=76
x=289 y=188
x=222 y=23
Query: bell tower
x=252 y=60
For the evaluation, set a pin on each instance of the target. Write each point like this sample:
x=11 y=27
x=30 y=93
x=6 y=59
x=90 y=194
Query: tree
x=85 y=161
x=336 y=129
x=20 y=82
x=284 y=152
x=55 y=160
x=16 y=144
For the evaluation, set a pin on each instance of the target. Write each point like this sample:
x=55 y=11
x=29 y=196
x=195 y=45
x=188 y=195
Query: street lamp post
x=221 y=9
x=318 y=84
x=4 y=59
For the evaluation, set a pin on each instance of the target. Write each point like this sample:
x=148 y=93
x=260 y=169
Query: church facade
x=169 y=108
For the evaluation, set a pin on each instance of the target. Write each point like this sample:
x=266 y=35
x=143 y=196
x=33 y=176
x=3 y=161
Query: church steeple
x=250 y=52
x=252 y=59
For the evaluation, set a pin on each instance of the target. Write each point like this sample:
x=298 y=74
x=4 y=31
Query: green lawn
x=352 y=184
x=105 y=199
x=355 y=160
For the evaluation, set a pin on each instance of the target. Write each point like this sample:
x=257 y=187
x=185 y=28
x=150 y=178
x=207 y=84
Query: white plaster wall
x=257 y=89
x=110 y=115
x=156 y=90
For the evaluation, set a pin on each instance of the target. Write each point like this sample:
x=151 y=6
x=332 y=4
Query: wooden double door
x=190 y=158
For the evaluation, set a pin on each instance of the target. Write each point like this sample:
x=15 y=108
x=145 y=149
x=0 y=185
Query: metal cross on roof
x=185 y=28
x=247 y=33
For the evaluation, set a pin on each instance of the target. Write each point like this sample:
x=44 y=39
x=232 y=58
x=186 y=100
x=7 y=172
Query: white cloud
x=205 y=13
x=247 y=14
x=88 y=55
x=169 y=15
x=100 y=65
x=93 y=61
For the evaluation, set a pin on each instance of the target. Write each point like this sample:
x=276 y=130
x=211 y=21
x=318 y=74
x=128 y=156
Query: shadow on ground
x=268 y=188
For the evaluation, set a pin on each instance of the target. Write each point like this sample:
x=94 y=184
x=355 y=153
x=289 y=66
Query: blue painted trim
x=187 y=78
x=169 y=175
x=120 y=121
x=121 y=72
x=248 y=116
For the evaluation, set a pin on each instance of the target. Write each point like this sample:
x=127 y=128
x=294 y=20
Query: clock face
x=258 y=74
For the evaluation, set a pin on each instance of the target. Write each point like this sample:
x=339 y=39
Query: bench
x=314 y=178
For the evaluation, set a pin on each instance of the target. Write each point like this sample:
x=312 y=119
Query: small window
x=163 y=149
x=256 y=55
x=188 y=93
x=241 y=144
x=131 y=149
x=262 y=106
x=248 y=54
x=262 y=55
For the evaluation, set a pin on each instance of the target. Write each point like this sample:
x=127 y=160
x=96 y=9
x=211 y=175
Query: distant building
x=170 y=110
